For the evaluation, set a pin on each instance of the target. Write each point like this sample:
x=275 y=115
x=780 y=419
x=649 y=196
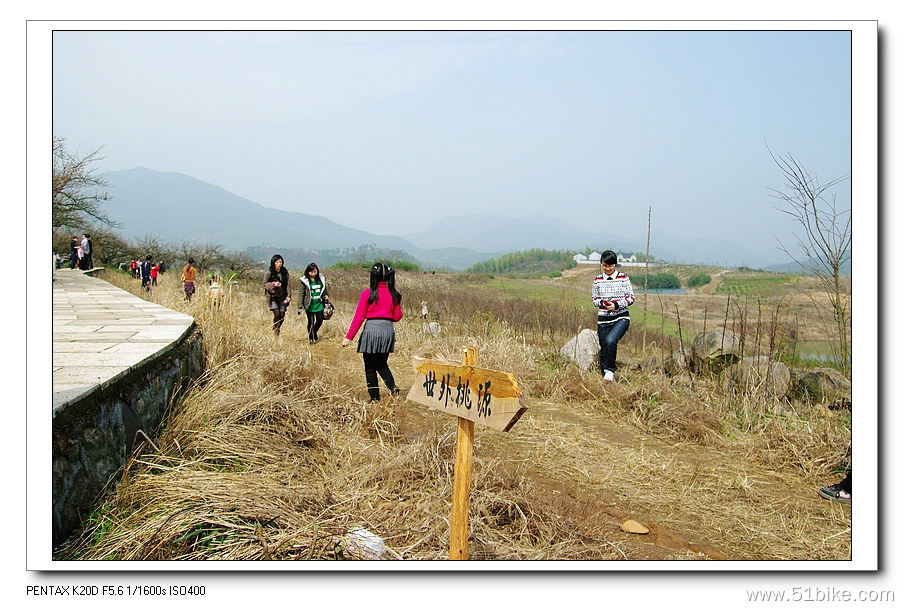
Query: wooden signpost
x=492 y=398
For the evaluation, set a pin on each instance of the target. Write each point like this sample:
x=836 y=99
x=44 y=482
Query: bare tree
x=205 y=255
x=77 y=188
x=824 y=242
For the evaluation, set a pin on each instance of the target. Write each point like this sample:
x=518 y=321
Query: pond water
x=825 y=358
x=678 y=291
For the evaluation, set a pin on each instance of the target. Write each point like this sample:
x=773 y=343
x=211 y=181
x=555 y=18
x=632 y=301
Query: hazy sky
x=389 y=131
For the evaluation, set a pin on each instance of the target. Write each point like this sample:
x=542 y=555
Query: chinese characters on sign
x=489 y=397
x=461 y=391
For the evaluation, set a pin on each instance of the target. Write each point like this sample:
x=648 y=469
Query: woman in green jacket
x=313 y=297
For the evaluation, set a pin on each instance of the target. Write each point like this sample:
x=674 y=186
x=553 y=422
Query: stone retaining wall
x=94 y=435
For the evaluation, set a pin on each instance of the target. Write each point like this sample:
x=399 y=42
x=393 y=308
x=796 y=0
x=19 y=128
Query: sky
x=390 y=131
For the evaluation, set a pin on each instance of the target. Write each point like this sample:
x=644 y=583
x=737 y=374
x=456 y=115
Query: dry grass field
x=275 y=454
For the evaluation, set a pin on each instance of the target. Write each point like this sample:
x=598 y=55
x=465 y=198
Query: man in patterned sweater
x=612 y=294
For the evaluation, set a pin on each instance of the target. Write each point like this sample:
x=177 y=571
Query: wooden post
x=461 y=485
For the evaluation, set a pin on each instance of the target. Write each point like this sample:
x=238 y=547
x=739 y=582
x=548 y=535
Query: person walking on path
x=155 y=269
x=312 y=297
x=133 y=267
x=89 y=251
x=145 y=268
x=276 y=285
x=79 y=255
x=378 y=307
x=85 y=258
x=73 y=253
x=612 y=294
x=188 y=278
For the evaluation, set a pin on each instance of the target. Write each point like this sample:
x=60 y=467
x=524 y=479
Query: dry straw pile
x=274 y=454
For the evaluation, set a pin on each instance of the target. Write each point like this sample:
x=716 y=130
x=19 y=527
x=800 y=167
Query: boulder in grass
x=583 y=349
x=714 y=350
x=433 y=328
x=758 y=374
x=821 y=385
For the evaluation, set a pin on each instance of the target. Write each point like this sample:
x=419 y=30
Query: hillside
x=526 y=262
x=174 y=207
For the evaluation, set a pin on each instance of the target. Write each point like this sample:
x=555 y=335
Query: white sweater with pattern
x=617 y=289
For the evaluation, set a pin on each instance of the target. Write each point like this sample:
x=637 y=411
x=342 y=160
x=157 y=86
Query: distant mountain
x=505 y=233
x=708 y=251
x=484 y=232
x=174 y=207
x=796 y=268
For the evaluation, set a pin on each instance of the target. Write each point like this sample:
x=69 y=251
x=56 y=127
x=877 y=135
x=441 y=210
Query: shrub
x=405 y=266
x=664 y=281
x=698 y=280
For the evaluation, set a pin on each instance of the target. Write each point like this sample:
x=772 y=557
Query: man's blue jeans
x=609 y=335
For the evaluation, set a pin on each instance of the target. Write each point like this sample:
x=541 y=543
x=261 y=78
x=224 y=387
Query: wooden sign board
x=488 y=397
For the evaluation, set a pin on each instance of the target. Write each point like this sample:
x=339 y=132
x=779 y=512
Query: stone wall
x=94 y=435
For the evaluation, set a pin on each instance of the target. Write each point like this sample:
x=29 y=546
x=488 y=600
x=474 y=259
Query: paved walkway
x=101 y=332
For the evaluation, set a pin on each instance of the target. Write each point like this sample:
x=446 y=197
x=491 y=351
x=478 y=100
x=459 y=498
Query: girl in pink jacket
x=378 y=307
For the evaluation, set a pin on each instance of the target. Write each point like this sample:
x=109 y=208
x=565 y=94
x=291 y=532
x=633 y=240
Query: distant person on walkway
x=312 y=298
x=146 y=274
x=840 y=492
x=155 y=269
x=188 y=278
x=73 y=253
x=57 y=261
x=276 y=285
x=86 y=260
x=79 y=255
x=378 y=307
x=133 y=267
x=612 y=294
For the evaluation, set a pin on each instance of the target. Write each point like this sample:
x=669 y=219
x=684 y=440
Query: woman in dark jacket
x=276 y=285
x=311 y=298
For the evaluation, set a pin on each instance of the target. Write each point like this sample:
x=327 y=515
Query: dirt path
x=710 y=288
x=699 y=501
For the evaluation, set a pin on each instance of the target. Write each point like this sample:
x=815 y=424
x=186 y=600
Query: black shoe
x=394 y=391
x=835 y=493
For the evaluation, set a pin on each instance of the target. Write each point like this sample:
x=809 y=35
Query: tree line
x=532 y=261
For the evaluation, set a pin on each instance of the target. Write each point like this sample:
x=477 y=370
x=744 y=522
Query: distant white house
x=591 y=259
x=627 y=260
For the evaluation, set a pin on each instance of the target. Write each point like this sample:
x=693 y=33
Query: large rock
x=756 y=374
x=583 y=349
x=821 y=385
x=714 y=350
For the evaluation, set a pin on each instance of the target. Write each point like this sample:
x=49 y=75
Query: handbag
x=328 y=309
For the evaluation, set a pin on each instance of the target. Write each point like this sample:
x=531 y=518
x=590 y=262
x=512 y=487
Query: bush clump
x=698 y=280
x=664 y=281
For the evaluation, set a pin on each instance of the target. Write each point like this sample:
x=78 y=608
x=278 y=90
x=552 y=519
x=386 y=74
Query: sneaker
x=608 y=376
x=835 y=493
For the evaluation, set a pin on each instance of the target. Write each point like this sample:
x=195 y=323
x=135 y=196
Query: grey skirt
x=378 y=336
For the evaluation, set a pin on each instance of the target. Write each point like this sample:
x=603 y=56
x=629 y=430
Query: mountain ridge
x=173 y=206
